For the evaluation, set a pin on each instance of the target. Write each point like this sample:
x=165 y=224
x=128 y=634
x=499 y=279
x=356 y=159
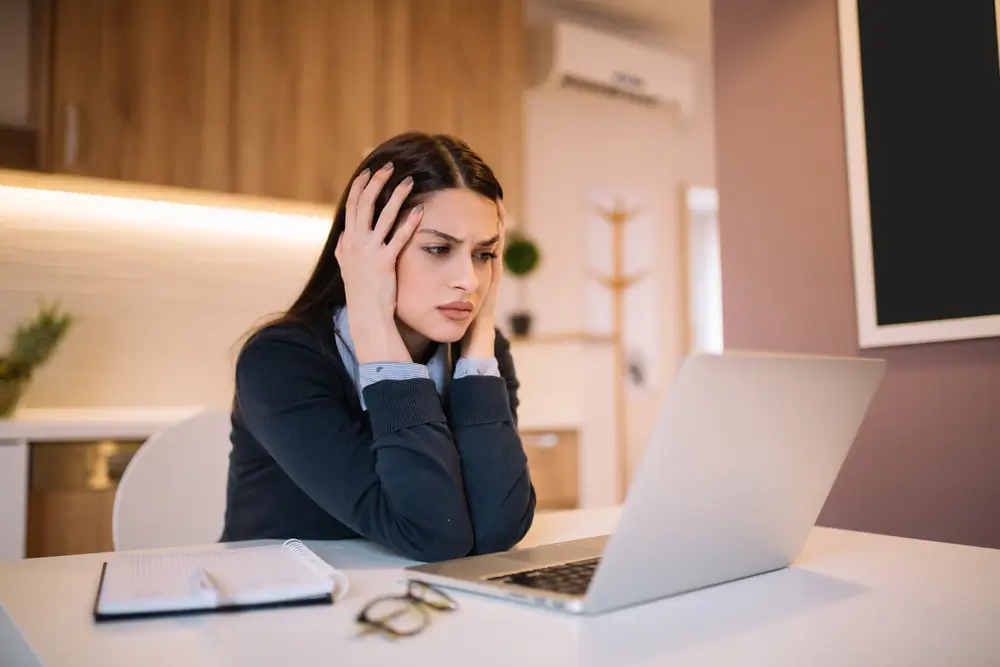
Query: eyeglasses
x=404 y=615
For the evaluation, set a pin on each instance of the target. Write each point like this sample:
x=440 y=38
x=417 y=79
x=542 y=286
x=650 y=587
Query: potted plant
x=520 y=258
x=31 y=345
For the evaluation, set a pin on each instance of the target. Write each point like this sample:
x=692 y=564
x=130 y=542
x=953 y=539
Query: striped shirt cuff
x=374 y=371
x=488 y=366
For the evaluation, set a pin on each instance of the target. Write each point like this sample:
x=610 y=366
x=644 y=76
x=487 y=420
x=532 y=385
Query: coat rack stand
x=618 y=282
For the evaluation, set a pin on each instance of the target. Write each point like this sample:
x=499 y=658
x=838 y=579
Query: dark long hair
x=436 y=162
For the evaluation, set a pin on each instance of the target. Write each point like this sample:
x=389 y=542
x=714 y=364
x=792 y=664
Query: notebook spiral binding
x=306 y=554
x=319 y=565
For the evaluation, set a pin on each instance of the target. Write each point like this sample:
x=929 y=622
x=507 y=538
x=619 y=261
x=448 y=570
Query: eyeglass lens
x=396 y=615
x=403 y=615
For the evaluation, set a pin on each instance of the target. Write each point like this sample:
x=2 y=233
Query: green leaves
x=34 y=341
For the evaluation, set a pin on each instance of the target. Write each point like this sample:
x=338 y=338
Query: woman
x=383 y=403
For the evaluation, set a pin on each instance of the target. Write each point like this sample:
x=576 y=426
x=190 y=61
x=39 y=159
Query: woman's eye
x=444 y=250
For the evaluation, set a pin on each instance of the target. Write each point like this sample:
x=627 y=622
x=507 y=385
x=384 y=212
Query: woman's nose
x=466 y=277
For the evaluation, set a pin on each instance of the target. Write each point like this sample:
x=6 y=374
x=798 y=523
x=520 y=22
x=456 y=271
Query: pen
x=204 y=582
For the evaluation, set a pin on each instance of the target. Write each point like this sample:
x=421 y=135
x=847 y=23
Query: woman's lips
x=459 y=311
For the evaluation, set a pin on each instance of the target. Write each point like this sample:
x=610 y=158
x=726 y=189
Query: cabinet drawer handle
x=545 y=441
x=71 y=140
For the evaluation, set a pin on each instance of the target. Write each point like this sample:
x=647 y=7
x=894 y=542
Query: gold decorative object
x=618 y=282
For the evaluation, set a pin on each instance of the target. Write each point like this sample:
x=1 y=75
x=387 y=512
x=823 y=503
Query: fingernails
x=418 y=210
x=387 y=166
x=364 y=173
x=407 y=182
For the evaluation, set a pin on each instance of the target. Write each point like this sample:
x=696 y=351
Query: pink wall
x=927 y=460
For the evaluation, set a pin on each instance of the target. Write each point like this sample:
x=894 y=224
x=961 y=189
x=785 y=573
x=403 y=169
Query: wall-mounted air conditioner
x=567 y=54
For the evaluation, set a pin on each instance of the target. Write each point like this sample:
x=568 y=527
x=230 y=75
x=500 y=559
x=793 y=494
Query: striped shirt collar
x=437 y=366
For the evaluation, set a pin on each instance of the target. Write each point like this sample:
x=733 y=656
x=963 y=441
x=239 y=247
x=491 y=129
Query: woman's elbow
x=494 y=543
x=497 y=538
x=453 y=539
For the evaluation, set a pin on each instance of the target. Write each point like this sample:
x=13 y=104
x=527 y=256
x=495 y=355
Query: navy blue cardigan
x=426 y=477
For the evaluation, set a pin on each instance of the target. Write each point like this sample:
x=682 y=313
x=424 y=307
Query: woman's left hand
x=480 y=338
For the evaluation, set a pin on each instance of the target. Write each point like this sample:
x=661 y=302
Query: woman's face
x=444 y=271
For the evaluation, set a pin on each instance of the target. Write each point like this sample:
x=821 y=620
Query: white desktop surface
x=851 y=599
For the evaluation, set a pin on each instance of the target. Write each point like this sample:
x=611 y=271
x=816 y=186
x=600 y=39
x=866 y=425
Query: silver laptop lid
x=736 y=472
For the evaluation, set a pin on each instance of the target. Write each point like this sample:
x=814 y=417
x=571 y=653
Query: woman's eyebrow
x=458 y=241
x=442 y=235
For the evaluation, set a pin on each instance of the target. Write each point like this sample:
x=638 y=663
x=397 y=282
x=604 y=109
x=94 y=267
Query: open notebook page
x=208 y=579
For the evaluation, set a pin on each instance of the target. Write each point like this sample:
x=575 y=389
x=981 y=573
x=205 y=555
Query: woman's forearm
x=499 y=492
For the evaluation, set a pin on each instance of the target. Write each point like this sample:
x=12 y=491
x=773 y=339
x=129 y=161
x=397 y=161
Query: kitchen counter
x=51 y=424
x=38 y=425
x=553 y=416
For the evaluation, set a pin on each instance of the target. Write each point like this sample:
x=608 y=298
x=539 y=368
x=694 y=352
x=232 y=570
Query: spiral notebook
x=227 y=579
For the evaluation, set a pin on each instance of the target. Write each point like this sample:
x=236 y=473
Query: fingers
x=357 y=187
x=405 y=231
x=501 y=228
x=366 y=201
x=391 y=210
x=497 y=268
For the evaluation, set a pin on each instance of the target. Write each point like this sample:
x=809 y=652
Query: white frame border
x=870 y=334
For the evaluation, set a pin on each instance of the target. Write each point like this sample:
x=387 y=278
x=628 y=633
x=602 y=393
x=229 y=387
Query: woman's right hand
x=368 y=266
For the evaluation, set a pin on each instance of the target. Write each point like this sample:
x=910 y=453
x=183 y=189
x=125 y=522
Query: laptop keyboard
x=569 y=578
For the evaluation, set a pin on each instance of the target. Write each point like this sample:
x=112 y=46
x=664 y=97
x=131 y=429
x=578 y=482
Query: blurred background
x=678 y=168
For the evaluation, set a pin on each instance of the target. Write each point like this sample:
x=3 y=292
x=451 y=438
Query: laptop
x=738 y=467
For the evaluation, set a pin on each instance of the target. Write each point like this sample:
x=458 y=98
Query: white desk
x=852 y=600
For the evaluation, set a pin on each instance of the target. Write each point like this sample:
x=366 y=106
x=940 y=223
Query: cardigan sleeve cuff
x=479 y=399
x=393 y=406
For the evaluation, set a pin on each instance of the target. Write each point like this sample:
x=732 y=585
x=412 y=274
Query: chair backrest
x=173 y=492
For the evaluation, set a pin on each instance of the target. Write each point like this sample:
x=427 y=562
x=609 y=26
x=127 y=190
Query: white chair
x=173 y=492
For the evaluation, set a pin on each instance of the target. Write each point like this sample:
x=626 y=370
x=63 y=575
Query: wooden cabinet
x=458 y=70
x=138 y=90
x=318 y=84
x=307 y=97
x=278 y=99
x=554 y=462
x=71 y=496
